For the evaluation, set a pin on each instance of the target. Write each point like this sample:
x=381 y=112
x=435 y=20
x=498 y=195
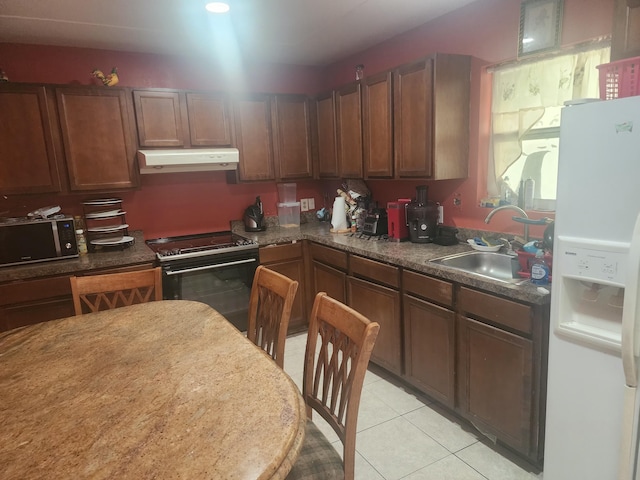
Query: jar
x=81 y=241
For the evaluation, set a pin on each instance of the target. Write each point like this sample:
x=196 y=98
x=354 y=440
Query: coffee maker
x=423 y=217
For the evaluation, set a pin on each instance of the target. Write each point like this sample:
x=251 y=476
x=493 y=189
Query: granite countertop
x=135 y=254
x=157 y=390
x=409 y=255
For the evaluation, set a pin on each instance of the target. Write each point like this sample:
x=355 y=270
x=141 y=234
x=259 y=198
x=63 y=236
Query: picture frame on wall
x=540 y=26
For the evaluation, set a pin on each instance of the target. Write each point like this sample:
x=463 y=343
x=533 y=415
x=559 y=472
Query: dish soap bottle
x=539 y=270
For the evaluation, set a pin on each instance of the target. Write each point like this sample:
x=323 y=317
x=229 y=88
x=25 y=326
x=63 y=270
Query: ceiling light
x=217 y=7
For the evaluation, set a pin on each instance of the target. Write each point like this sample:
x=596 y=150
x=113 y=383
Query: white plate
x=108 y=229
x=110 y=213
x=111 y=241
x=103 y=201
x=482 y=248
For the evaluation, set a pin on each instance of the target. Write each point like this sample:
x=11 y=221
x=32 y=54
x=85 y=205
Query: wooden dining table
x=159 y=390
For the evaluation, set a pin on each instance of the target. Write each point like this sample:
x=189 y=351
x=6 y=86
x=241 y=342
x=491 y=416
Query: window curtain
x=521 y=93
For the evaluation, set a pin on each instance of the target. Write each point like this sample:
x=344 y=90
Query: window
x=526 y=110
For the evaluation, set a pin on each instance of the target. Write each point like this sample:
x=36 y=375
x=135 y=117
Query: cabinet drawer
x=504 y=312
x=438 y=291
x=34 y=290
x=280 y=252
x=329 y=256
x=377 y=271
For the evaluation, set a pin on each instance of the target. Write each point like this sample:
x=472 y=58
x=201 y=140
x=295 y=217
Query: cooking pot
x=254 y=217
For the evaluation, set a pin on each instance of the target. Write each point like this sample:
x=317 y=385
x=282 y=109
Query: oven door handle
x=209 y=267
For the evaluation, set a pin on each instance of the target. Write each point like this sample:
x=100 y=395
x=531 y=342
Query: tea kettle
x=254 y=217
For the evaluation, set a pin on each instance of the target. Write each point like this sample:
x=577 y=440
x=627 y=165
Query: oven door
x=222 y=281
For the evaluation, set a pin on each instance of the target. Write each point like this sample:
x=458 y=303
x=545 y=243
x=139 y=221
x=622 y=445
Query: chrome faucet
x=522 y=213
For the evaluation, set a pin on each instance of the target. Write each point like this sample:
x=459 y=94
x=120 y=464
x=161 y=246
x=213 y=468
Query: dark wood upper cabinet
x=160 y=118
x=349 y=130
x=325 y=123
x=252 y=118
x=292 y=136
x=431 y=118
x=98 y=135
x=209 y=119
x=625 y=37
x=169 y=118
x=28 y=162
x=377 y=104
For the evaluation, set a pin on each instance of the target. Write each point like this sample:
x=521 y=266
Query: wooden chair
x=339 y=345
x=272 y=296
x=93 y=293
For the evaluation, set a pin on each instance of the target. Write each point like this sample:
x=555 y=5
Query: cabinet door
x=98 y=138
x=349 y=130
x=495 y=382
x=625 y=37
x=326 y=130
x=429 y=332
x=209 y=119
x=330 y=280
x=252 y=117
x=288 y=260
x=377 y=104
x=28 y=161
x=413 y=119
x=382 y=305
x=292 y=136
x=160 y=118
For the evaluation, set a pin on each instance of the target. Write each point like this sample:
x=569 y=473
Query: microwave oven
x=36 y=240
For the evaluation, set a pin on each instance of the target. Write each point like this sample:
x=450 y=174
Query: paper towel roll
x=339 y=216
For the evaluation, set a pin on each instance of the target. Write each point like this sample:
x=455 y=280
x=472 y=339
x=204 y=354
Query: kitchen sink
x=496 y=266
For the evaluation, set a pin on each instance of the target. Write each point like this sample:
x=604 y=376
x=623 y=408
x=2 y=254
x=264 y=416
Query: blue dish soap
x=539 y=270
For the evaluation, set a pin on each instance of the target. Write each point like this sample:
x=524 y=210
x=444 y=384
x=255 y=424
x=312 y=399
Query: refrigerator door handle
x=630 y=329
x=630 y=346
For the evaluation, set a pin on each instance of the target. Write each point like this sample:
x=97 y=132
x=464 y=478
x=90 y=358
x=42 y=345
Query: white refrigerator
x=592 y=409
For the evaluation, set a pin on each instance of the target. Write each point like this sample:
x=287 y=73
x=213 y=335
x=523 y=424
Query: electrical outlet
x=312 y=203
x=304 y=204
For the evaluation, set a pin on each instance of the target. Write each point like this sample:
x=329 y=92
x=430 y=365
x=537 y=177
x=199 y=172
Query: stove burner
x=201 y=244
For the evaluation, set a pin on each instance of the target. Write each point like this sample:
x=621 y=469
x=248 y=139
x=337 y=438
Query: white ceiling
x=302 y=32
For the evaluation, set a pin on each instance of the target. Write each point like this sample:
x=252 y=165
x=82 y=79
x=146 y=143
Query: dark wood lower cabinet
x=380 y=304
x=495 y=384
x=288 y=260
x=329 y=280
x=28 y=302
x=430 y=348
x=478 y=354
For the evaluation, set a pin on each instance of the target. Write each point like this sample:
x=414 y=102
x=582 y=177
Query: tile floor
x=402 y=435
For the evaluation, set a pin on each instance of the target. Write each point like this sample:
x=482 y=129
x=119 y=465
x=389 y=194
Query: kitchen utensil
x=254 y=217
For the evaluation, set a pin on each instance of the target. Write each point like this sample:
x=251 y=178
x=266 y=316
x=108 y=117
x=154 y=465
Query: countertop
x=157 y=390
x=135 y=254
x=408 y=255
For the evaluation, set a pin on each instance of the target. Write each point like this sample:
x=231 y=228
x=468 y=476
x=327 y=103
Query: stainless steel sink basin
x=496 y=266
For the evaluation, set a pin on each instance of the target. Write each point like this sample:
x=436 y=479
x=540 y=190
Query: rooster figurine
x=108 y=80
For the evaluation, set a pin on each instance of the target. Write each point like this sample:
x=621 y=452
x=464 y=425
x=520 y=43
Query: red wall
x=172 y=204
x=487 y=30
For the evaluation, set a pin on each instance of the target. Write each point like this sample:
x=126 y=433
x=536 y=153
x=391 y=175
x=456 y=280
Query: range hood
x=194 y=160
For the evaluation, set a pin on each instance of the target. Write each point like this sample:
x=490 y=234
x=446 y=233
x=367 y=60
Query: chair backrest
x=93 y=293
x=339 y=345
x=272 y=296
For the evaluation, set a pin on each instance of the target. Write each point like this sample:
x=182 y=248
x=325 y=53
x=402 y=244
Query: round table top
x=164 y=389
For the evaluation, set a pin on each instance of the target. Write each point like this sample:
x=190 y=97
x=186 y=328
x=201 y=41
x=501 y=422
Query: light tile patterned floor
x=402 y=435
